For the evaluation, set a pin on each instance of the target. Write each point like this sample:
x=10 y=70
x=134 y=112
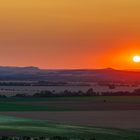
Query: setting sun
x=136 y=59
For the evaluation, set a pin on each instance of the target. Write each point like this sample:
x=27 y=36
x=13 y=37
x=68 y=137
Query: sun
x=136 y=59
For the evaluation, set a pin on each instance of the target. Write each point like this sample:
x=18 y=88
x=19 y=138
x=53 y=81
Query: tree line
x=68 y=93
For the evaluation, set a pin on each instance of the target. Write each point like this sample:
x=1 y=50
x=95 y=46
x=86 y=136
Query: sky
x=69 y=34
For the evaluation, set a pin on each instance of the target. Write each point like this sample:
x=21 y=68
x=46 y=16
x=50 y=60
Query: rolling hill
x=74 y=75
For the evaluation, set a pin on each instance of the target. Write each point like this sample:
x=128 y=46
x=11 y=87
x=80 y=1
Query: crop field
x=103 y=118
x=114 y=119
x=30 y=127
x=71 y=103
x=119 y=99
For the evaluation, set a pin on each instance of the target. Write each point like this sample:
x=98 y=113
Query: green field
x=35 y=104
x=12 y=106
x=124 y=99
x=36 y=127
x=29 y=127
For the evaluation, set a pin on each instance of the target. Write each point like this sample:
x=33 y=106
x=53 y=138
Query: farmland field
x=31 y=127
x=77 y=117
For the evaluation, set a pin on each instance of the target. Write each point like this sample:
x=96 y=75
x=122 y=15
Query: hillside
x=76 y=75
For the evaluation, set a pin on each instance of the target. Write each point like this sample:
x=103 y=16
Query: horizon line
x=42 y=68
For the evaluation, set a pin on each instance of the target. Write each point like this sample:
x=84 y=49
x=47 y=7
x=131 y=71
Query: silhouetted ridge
x=69 y=75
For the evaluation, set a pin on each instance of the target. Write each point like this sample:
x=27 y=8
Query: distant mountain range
x=77 y=75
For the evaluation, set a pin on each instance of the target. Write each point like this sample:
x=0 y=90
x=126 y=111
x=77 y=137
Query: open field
x=71 y=103
x=31 y=127
x=109 y=118
x=66 y=106
x=118 y=99
x=82 y=105
x=114 y=119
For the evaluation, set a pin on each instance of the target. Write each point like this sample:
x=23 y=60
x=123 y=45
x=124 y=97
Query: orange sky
x=70 y=33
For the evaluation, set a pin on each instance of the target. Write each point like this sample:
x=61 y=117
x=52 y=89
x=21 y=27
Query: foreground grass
x=29 y=127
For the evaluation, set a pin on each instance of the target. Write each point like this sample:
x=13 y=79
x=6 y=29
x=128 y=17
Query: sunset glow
x=136 y=59
x=69 y=34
